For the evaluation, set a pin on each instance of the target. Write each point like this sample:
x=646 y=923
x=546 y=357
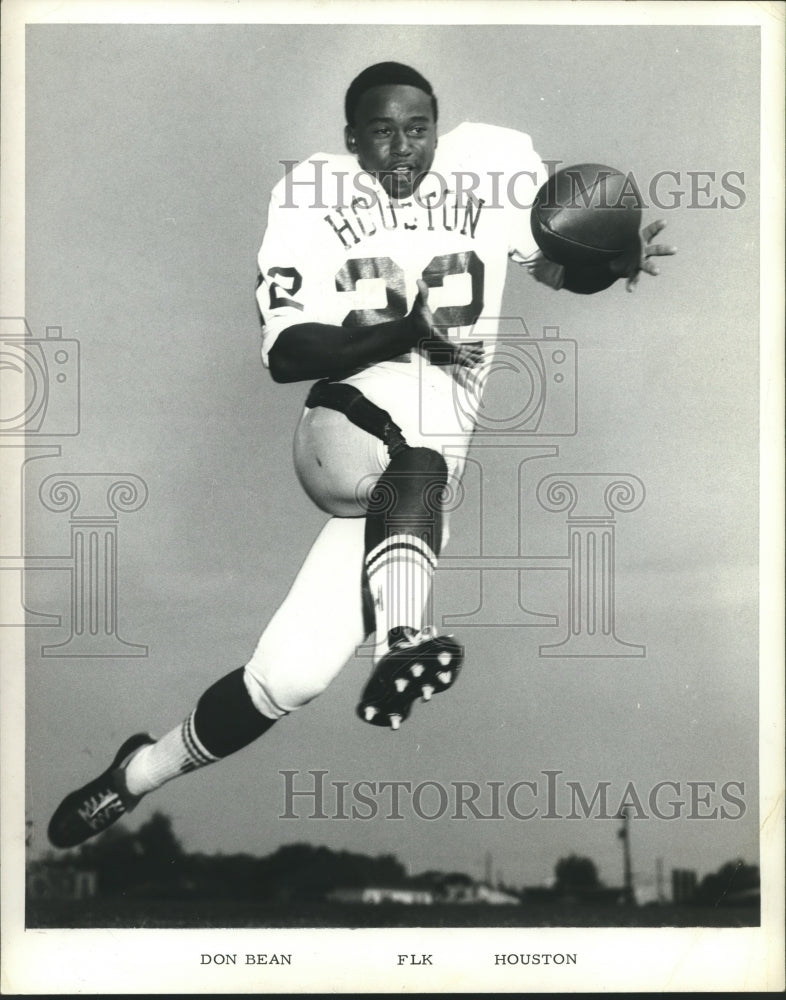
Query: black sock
x=400 y=632
x=226 y=720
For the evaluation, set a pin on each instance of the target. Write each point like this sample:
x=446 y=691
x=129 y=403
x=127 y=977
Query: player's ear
x=350 y=140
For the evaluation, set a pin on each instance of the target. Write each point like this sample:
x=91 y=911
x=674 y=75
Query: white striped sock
x=179 y=752
x=400 y=571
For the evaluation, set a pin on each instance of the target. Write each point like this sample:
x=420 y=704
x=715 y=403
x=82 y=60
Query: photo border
x=630 y=959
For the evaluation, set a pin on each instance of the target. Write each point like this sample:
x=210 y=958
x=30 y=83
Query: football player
x=379 y=270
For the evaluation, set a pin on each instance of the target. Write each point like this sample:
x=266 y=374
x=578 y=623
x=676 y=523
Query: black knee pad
x=424 y=460
x=417 y=466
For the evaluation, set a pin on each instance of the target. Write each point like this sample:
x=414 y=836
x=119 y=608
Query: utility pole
x=659 y=880
x=624 y=834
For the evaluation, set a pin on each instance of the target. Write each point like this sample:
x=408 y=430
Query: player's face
x=394 y=136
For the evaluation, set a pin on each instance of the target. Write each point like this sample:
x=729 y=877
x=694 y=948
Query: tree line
x=151 y=862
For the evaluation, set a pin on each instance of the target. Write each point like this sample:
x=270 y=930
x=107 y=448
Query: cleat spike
x=395 y=721
x=444 y=658
x=369 y=712
x=427 y=692
x=445 y=676
x=416 y=669
x=401 y=684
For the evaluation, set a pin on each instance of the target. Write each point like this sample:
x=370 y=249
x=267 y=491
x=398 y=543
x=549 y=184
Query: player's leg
x=403 y=540
x=404 y=531
x=345 y=468
x=308 y=640
x=224 y=720
x=317 y=628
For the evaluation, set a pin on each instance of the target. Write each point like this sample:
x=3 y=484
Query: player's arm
x=306 y=351
x=590 y=279
x=296 y=344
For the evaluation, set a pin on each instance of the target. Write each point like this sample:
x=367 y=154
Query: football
x=586 y=214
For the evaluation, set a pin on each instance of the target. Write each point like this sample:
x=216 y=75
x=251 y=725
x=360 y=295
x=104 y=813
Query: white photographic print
x=392 y=510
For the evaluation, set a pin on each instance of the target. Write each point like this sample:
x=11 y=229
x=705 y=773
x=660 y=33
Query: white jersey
x=339 y=250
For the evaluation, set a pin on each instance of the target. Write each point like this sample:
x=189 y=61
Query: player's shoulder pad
x=314 y=182
x=477 y=135
x=477 y=146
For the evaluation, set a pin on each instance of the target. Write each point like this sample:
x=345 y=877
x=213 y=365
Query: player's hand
x=464 y=359
x=469 y=354
x=630 y=265
x=546 y=271
x=420 y=314
x=468 y=370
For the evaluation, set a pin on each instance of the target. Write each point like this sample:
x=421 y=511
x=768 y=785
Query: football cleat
x=414 y=667
x=95 y=806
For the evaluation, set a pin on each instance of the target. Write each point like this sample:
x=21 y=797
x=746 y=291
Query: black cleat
x=95 y=806
x=416 y=666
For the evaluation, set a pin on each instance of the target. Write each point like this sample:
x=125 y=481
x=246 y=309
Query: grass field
x=122 y=912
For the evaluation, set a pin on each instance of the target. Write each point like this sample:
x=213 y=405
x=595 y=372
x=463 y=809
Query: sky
x=151 y=152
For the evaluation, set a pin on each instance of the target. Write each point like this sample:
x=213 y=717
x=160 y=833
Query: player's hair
x=379 y=75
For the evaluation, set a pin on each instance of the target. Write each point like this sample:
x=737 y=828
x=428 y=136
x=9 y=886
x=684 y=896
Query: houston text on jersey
x=365 y=216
